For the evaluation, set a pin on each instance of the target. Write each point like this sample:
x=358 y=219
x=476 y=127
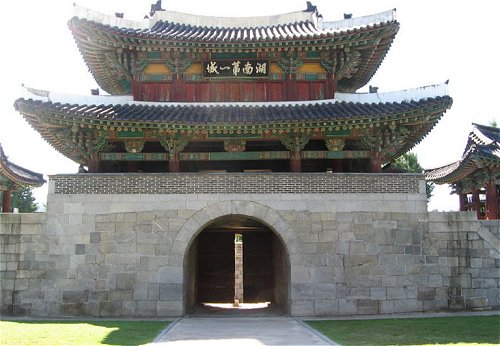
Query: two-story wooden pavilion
x=195 y=93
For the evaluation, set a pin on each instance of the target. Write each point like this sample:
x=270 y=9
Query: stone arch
x=258 y=211
x=200 y=220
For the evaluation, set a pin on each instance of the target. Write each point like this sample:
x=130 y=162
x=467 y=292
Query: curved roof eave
x=17 y=174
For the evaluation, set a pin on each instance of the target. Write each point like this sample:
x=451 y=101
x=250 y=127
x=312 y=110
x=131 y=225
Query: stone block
x=123 y=236
x=128 y=308
x=302 y=290
x=323 y=274
x=426 y=293
x=396 y=293
x=125 y=281
x=378 y=293
x=117 y=259
x=368 y=306
x=384 y=236
x=358 y=293
x=169 y=308
x=120 y=295
x=403 y=237
x=110 y=309
x=170 y=275
x=328 y=236
x=75 y=296
x=407 y=305
x=326 y=307
x=357 y=247
x=364 y=232
x=146 y=308
x=170 y=292
x=326 y=291
x=95 y=237
x=348 y=306
x=79 y=249
x=353 y=260
x=105 y=227
x=127 y=248
x=140 y=291
x=386 y=307
x=302 y=307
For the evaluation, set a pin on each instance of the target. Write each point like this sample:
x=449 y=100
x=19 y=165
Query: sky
x=438 y=40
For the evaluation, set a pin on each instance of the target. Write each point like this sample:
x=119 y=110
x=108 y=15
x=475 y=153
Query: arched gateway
x=280 y=240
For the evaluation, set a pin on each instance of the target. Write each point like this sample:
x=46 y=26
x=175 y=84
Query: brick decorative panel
x=235 y=183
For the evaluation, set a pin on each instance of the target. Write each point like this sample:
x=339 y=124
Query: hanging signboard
x=241 y=68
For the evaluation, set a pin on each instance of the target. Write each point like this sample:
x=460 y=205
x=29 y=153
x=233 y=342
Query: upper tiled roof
x=98 y=35
x=17 y=174
x=482 y=152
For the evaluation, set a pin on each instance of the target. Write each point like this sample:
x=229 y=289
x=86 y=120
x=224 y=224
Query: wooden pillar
x=476 y=205
x=94 y=166
x=491 y=201
x=174 y=165
x=338 y=165
x=291 y=88
x=375 y=164
x=238 y=269
x=462 y=200
x=295 y=162
x=7 y=202
x=133 y=166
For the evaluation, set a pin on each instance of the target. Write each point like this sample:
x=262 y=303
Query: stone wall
x=24 y=264
x=350 y=253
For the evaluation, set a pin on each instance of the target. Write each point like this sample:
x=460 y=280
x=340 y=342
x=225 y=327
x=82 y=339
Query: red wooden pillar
x=375 y=163
x=174 y=164
x=6 y=202
x=295 y=162
x=462 y=200
x=178 y=89
x=93 y=166
x=338 y=165
x=133 y=166
x=476 y=205
x=491 y=201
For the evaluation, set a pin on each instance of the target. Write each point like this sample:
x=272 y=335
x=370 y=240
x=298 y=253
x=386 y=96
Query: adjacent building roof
x=12 y=175
x=97 y=35
x=481 y=157
x=417 y=111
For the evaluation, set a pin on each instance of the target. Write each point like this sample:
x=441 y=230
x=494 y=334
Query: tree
x=23 y=200
x=493 y=123
x=409 y=163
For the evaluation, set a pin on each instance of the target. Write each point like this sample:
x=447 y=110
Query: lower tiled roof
x=226 y=113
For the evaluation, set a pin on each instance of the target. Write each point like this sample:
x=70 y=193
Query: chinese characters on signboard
x=237 y=68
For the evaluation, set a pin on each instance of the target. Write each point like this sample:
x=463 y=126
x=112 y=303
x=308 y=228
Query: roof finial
x=310 y=7
x=155 y=7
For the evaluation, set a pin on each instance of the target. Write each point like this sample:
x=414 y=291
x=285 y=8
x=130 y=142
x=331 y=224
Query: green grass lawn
x=473 y=330
x=70 y=333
